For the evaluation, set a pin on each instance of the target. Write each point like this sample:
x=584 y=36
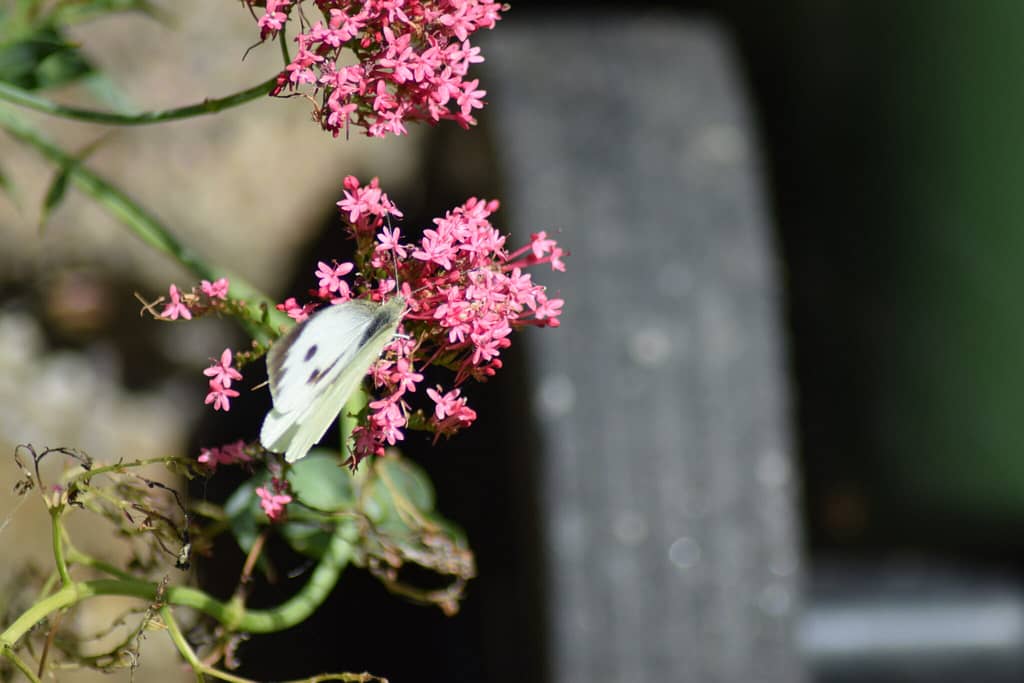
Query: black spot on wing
x=310 y=352
x=381 y=320
x=279 y=351
x=320 y=373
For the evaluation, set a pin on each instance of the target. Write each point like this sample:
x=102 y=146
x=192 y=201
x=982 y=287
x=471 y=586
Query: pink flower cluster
x=182 y=304
x=296 y=312
x=412 y=59
x=228 y=454
x=208 y=296
x=274 y=498
x=221 y=373
x=465 y=292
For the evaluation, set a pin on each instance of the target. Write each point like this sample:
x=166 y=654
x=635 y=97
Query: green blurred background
x=894 y=146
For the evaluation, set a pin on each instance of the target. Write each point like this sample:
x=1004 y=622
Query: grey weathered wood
x=668 y=491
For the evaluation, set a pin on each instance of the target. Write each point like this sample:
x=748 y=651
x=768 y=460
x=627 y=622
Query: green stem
x=57 y=534
x=198 y=666
x=146 y=226
x=349 y=419
x=166 y=460
x=180 y=642
x=22 y=666
x=24 y=98
x=283 y=41
x=293 y=611
x=48 y=585
x=76 y=556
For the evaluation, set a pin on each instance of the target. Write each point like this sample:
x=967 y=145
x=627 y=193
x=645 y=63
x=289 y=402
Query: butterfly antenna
x=394 y=256
x=394 y=261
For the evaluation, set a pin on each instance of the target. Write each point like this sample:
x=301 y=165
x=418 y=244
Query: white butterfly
x=317 y=365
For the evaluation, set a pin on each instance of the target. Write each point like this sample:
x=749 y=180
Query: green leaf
x=87 y=10
x=108 y=93
x=55 y=194
x=42 y=59
x=306 y=538
x=320 y=483
x=8 y=187
x=58 y=188
x=399 y=499
x=398 y=484
x=317 y=482
x=244 y=512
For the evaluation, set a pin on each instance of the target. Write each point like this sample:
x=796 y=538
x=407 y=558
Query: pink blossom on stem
x=450 y=411
x=273 y=18
x=331 y=277
x=366 y=442
x=220 y=396
x=215 y=290
x=540 y=244
x=387 y=417
x=434 y=247
x=413 y=58
x=294 y=310
x=221 y=371
x=228 y=454
x=465 y=293
x=402 y=376
x=549 y=310
x=389 y=241
x=470 y=98
x=176 y=308
x=366 y=206
x=274 y=498
x=556 y=260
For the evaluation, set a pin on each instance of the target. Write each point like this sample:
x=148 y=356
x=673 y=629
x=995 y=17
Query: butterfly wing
x=315 y=368
x=299 y=432
x=302 y=363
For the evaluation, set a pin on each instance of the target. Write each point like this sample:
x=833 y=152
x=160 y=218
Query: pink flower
x=175 y=308
x=365 y=203
x=450 y=411
x=556 y=260
x=221 y=374
x=366 y=442
x=470 y=98
x=228 y=454
x=215 y=290
x=273 y=19
x=548 y=309
x=294 y=310
x=388 y=419
x=402 y=376
x=220 y=396
x=209 y=457
x=331 y=278
x=222 y=371
x=543 y=250
x=389 y=241
x=460 y=23
x=413 y=57
x=274 y=498
x=435 y=247
x=540 y=244
x=465 y=294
